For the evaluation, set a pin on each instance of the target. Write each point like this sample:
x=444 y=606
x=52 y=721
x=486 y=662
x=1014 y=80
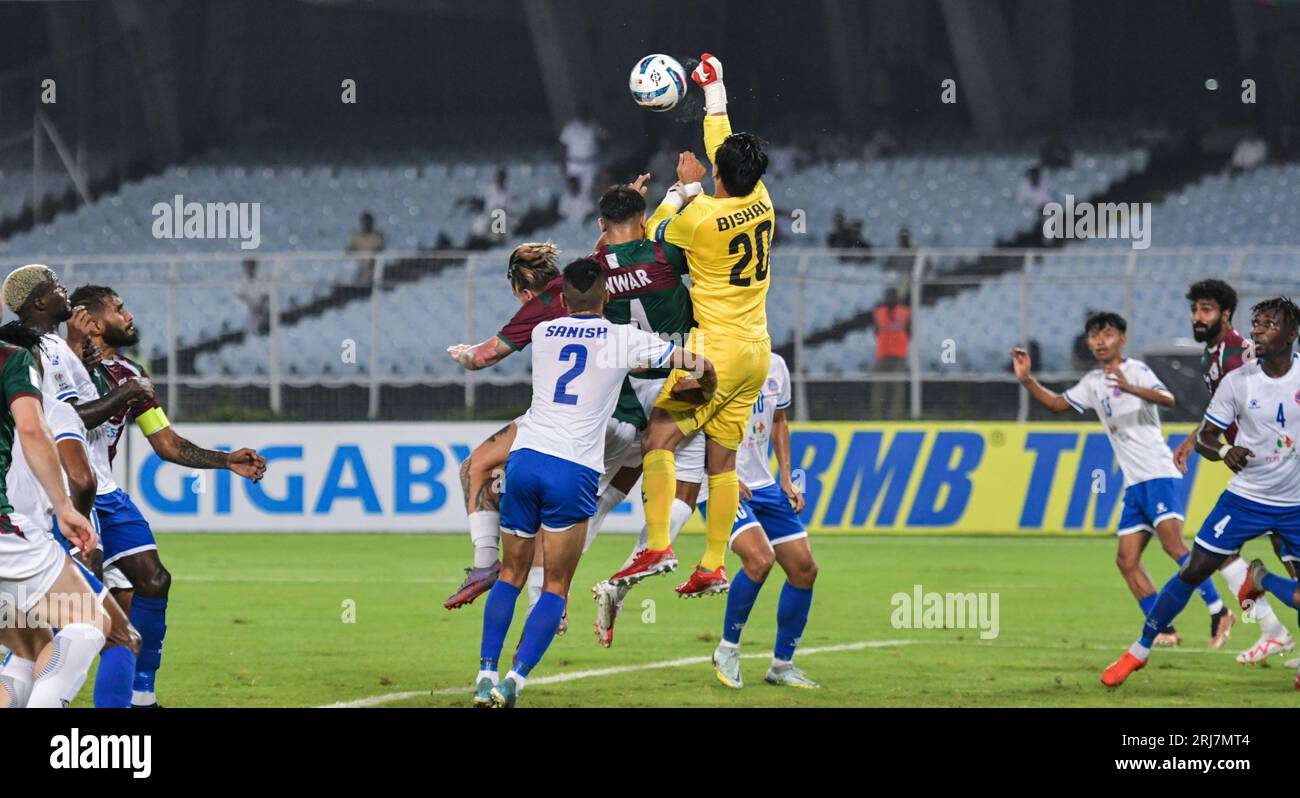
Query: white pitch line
x=558 y=678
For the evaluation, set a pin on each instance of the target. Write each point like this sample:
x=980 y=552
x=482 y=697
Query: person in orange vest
x=892 y=319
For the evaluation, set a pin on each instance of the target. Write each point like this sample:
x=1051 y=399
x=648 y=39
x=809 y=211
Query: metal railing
x=187 y=302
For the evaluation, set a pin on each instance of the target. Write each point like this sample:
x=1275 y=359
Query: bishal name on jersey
x=741 y=217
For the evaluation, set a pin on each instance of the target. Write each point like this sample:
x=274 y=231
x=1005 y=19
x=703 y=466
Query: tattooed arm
x=480 y=356
x=175 y=449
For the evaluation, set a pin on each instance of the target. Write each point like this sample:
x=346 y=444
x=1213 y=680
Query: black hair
x=1283 y=307
x=15 y=333
x=584 y=285
x=620 y=204
x=741 y=160
x=94 y=298
x=1104 y=318
x=1217 y=290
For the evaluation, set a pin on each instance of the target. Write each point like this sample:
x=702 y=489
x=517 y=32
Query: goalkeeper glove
x=709 y=76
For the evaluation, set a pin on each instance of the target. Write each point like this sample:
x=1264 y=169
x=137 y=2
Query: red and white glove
x=709 y=77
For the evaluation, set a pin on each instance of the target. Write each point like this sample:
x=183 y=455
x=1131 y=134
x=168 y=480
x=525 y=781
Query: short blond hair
x=22 y=283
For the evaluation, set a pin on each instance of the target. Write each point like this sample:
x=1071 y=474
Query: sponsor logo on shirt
x=1254 y=404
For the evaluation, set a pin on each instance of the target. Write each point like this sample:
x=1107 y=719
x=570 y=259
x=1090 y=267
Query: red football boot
x=646 y=563
x=704 y=582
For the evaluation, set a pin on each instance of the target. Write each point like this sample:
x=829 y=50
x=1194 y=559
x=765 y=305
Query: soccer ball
x=657 y=82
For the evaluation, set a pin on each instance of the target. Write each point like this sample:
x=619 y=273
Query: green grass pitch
x=259 y=621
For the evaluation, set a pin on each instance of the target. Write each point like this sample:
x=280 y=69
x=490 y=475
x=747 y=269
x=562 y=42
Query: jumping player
x=579 y=364
x=1262 y=398
x=768 y=529
x=1126 y=394
x=1213 y=303
x=727 y=238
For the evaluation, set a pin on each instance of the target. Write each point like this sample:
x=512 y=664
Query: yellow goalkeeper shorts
x=742 y=369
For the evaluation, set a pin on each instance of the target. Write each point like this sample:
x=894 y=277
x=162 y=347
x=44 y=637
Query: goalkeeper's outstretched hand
x=709 y=76
x=709 y=71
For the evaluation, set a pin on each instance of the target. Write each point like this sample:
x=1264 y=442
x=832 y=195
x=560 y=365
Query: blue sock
x=740 y=600
x=114 y=679
x=1148 y=603
x=497 y=613
x=1206 y=588
x=1281 y=587
x=149 y=617
x=1173 y=597
x=539 y=630
x=791 y=618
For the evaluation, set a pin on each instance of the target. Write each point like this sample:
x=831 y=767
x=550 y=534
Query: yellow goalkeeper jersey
x=728 y=244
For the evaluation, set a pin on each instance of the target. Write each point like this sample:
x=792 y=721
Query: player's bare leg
x=480 y=477
x=62 y=665
x=1170 y=532
x=657 y=483
x=610 y=597
x=561 y=551
x=710 y=577
x=1128 y=559
x=796 y=559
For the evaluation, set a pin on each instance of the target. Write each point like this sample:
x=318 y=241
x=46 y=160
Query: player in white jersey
x=555 y=463
x=39 y=584
x=34 y=513
x=1263 y=399
x=768 y=529
x=1126 y=396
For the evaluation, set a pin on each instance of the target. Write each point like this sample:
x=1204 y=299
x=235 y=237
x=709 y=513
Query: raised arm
x=480 y=356
x=97 y=411
x=1050 y=399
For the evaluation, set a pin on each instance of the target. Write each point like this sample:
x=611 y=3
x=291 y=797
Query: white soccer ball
x=657 y=82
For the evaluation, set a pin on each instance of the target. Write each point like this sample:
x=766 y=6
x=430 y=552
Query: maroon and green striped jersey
x=19 y=376
x=644 y=279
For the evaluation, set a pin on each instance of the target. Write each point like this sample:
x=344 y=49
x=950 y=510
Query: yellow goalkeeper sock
x=658 y=485
x=724 y=501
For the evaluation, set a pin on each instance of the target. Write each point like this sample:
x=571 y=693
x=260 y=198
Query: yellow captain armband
x=152 y=420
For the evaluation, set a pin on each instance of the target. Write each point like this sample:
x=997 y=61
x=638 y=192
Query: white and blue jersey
x=555 y=464
x=1265 y=495
x=767 y=506
x=1151 y=480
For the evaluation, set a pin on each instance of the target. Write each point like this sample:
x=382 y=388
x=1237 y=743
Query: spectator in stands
x=839 y=233
x=257 y=297
x=366 y=241
x=902 y=262
x=497 y=196
x=847 y=235
x=1080 y=355
x=581 y=140
x=575 y=206
x=892 y=319
x=1250 y=152
x=1033 y=194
